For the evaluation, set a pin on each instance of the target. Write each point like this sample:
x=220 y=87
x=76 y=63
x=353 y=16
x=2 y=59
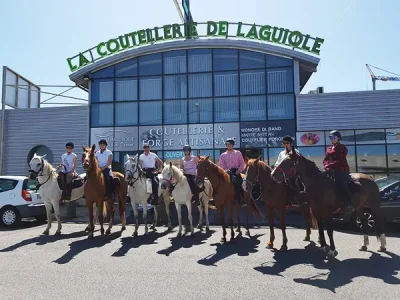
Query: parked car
x=19 y=199
x=389 y=188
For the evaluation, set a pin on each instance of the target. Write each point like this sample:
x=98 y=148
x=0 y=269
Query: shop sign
x=254 y=134
x=118 y=139
x=222 y=29
x=277 y=130
x=316 y=138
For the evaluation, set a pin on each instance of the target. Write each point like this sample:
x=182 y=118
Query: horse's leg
x=146 y=229
x=206 y=213
x=329 y=229
x=222 y=218
x=48 y=206
x=155 y=220
x=166 y=201
x=56 y=207
x=135 y=217
x=247 y=220
x=230 y=216
x=321 y=234
x=179 y=211
x=111 y=211
x=237 y=210
x=100 y=204
x=270 y=213
x=364 y=224
x=122 y=208
x=190 y=217
x=91 y=221
x=305 y=211
x=282 y=222
x=200 y=208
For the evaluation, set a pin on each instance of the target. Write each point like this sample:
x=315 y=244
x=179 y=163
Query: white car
x=19 y=199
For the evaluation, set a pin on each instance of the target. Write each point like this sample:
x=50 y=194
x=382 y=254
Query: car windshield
x=382 y=182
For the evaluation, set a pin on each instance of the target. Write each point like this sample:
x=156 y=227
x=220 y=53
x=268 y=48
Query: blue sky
x=38 y=36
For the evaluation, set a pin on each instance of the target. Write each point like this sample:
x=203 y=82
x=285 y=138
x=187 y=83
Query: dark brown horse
x=323 y=199
x=275 y=196
x=94 y=191
x=223 y=193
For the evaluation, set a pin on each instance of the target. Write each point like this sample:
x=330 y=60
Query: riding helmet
x=287 y=138
x=146 y=145
x=187 y=148
x=69 y=144
x=104 y=142
x=230 y=141
x=335 y=133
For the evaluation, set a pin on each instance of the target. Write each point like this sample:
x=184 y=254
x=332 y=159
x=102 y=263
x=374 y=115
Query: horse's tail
x=314 y=221
x=255 y=209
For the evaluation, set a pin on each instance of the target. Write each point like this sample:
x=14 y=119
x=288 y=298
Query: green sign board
x=221 y=29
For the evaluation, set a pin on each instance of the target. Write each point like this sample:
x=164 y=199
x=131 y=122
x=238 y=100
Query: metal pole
x=198 y=112
x=3 y=109
x=374 y=84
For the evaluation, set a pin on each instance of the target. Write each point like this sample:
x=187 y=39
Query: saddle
x=77 y=181
x=353 y=183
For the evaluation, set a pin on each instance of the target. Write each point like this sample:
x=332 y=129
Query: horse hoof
x=382 y=249
x=87 y=229
x=192 y=234
x=152 y=227
x=123 y=228
x=363 y=248
x=169 y=227
x=146 y=231
x=307 y=239
x=135 y=234
x=102 y=231
x=207 y=229
x=199 y=227
x=270 y=245
x=90 y=236
x=237 y=230
x=331 y=253
x=57 y=233
x=284 y=248
x=108 y=231
x=46 y=232
x=179 y=235
x=223 y=240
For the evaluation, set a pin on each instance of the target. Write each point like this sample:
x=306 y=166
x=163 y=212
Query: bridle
x=202 y=178
x=169 y=181
x=40 y=173
x=255 y=182
x=130 y=175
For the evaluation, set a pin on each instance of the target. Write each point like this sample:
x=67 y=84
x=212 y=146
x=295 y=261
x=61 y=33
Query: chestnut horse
x=275 y=196
x=323 y=199
x=94 y=191
x=223 y=192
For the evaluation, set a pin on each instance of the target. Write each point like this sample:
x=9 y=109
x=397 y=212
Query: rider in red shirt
x=335 y=160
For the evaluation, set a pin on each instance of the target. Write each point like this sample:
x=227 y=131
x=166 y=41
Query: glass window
x=281 y=107
x=205 y=152
x=126 y=114
x=175 y=112
x=150 y=88
x=102 y=91
x=348 y=137
x=253 y=108
x=280 y=80
x=102 y=115
x=251 y=60
x=7 y=185
x=226 y=109
x=278 y=61
x=393 y=152
x=393 y=135
x=201 y=113
x=371 y=158
x=273 y=154
x=150 y=113
x=252 y=82
x=104 y=73
x=174 y=156
x=175 y=62
x=116 y=164
x=126 y=89
x=199 y=60
x=126 y=68
x=175 y=86
x=316 y=154
x=200 y=85
x=225 y=59
x=370 y=136
x=150 y=64
x=226 y=84
x=351 y=158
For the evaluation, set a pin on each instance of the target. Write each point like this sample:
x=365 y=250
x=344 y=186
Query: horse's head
x=252 y=173
x=36 y=166
x=170 y=174
x=288 y=168
x=87 y=156
x=203 y=167
x=131 y=168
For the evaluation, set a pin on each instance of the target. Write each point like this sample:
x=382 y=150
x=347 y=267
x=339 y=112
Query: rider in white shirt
x=151 y=165
x=104 y=157
x=67 y=168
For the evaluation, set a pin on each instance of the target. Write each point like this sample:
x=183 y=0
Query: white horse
x=139 y=193
x=49 y=189
x=204 y=196
x=181 y=193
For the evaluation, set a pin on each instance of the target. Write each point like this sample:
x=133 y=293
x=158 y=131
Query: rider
x=335 y=159
x=233 y=163
x=105 y=157
x=151 y=165
x=188 y=166
x=288 y=146
x=69 y=161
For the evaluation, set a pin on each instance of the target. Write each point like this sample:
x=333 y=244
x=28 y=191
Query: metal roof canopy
x=308 y=63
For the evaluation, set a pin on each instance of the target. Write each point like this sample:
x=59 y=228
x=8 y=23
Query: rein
x=40 y=175
x=254 y=183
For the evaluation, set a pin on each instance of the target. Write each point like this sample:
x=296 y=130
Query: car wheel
x=370 y=221
x=10 y=217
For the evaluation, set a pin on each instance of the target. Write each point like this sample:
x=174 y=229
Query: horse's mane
x=177 y=173
x=49 y=168
x=220 y=172
x=258 y=162
x=311 y=166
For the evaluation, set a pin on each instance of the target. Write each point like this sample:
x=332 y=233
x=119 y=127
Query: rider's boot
x=68 y=192
x=196 y=200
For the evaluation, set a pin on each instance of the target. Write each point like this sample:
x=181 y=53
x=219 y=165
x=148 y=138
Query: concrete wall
x=51 y=127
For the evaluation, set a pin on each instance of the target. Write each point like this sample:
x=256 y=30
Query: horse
x=323 y=199
x=137 y=190
x=182 y=194
x=94 y=190
x=49 y=189
x=275 y=195
x=224 y=193
x=206 y=192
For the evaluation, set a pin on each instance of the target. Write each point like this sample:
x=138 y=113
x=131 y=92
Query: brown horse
x=94 y=191
x=223 y=193
x=323 y=199
x=275 y=196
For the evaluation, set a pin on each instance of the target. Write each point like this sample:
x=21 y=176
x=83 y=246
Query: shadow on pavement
x=79 y=246
x=186 y=241
x=25 y=224
x=224 y=250
x=127 y=243
x=338 y=273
